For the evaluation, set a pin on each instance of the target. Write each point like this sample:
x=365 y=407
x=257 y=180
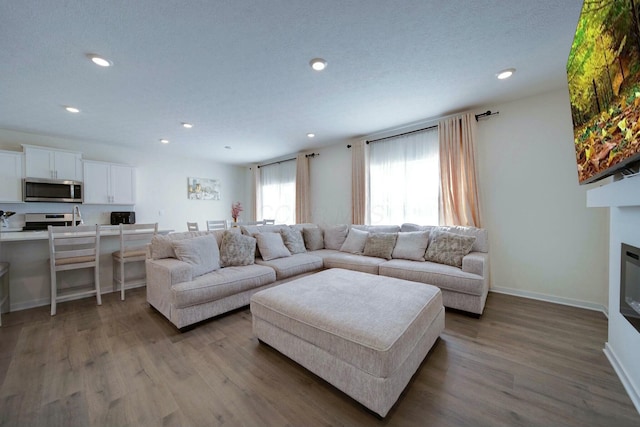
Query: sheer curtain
x=404 y=179
x=278 y=192
x=460 y=202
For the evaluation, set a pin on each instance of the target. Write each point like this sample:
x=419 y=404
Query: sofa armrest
x=167 y=272
x=476 y=263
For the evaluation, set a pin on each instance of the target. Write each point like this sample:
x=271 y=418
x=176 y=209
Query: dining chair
x=192 y=226
x=250 y=223
x=72 y=248
x=134 y=239
x=269 y=221
x=215 y=224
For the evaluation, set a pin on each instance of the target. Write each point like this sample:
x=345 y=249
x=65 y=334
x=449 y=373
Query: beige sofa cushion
x=365 y=264
x=293 y=265
x=271 y=246
x=200 y=252
x=411 y=245
x=334 y=236
x=313 y=238
x=355 y=241
x=482 y=237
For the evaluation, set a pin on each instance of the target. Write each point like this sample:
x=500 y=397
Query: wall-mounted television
x=603 y=73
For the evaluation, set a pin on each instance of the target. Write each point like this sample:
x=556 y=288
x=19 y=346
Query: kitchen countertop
x=17 y=235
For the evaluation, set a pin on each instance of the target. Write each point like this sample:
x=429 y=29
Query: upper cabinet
x=11 y=176
x=109 y=183
x=52 y=164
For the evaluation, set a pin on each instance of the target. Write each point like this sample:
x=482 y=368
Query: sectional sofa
x=193 y=276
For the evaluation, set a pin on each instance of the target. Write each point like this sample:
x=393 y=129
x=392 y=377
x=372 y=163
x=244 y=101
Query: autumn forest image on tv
x=603 y=72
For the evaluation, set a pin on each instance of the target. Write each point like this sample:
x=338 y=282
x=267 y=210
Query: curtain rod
x=488 y=113
x=275 y=163
x=402 y=134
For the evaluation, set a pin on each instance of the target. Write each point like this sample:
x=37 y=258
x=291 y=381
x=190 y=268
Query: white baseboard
x=551 y=298
x=633 y=393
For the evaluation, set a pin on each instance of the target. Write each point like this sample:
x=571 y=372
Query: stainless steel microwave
x=52 y=190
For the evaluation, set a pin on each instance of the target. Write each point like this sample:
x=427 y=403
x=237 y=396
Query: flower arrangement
x=236 y=208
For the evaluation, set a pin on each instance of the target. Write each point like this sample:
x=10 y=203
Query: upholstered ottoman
x=365 y=334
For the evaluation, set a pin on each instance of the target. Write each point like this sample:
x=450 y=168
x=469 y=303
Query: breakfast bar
x=28 y=254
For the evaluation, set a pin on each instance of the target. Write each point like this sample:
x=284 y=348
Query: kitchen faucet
x=77 y=215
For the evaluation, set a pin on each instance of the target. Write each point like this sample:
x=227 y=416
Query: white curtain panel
x=404 y=179
x=278 y=192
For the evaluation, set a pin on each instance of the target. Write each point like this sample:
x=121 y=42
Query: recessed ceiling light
x=318 y=64
x=164 y=141
x=505 y=74
x=99 y=60
x=72 y=109
x=311 y=135
x=228 y=147
x=187 y=125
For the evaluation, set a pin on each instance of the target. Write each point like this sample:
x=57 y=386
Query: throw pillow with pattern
x=448 y=248
x=237 y=249
x=293 y=240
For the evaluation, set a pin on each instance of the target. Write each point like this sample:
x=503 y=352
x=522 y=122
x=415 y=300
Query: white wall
x=161 y=187
x=543 y=238
x=544 y=242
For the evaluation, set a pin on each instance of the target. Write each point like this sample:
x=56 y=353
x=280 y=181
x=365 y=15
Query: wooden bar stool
x=134 y=239
x=72 y=248
x=214 y=224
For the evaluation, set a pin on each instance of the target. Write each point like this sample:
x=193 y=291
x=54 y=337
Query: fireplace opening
x=630 y=285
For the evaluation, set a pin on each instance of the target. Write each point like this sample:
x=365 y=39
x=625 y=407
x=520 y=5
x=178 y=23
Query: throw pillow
x=335 y=236
x=313 y=238
x=411 y=245
x=448 y=248
x=354 y=243
x=237 y=249
x=293 y=240
x=161 y=247
x=380 y=245
x=271 y=246
x=201 y=252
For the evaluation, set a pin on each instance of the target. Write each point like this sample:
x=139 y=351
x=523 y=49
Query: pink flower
x=236 y=208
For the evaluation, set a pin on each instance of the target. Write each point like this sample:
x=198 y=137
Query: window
x=278 y=192
x=404 y=179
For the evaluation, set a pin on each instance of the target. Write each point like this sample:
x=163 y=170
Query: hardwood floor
x=523 y=363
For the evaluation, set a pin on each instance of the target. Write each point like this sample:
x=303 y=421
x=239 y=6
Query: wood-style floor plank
x=523 y=363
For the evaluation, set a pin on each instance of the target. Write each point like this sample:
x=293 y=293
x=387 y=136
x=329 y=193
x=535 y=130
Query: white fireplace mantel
x=625 y=192
x=623 y=345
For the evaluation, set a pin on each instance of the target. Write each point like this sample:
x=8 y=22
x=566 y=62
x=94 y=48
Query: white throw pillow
x=355 y=241
x=271 y=246
x=201 y=252
x=411 y=245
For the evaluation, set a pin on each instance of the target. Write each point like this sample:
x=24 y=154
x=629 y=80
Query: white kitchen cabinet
x=49 y=163
x=109 y=183
x=11 y=176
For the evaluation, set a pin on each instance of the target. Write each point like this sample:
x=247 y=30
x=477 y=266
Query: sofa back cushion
x=313 y=238
x=334 y=236
x=377 y=228
x=201 y=252
x=482 y=238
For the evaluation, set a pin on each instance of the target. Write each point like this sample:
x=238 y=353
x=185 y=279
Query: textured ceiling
x=239 y=69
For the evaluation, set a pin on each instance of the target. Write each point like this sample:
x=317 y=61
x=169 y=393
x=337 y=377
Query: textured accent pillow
x=237 y=249
x=313 y=238
x=249 y=230
x=201 y=252
x=293 y=240
x=271 y=246
x=411 y=245
x=355 y=241
x=335 y=236
x=448 y=248
x=380 y=245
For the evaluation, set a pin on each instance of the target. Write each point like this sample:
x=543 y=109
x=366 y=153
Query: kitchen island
x=28 y=254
